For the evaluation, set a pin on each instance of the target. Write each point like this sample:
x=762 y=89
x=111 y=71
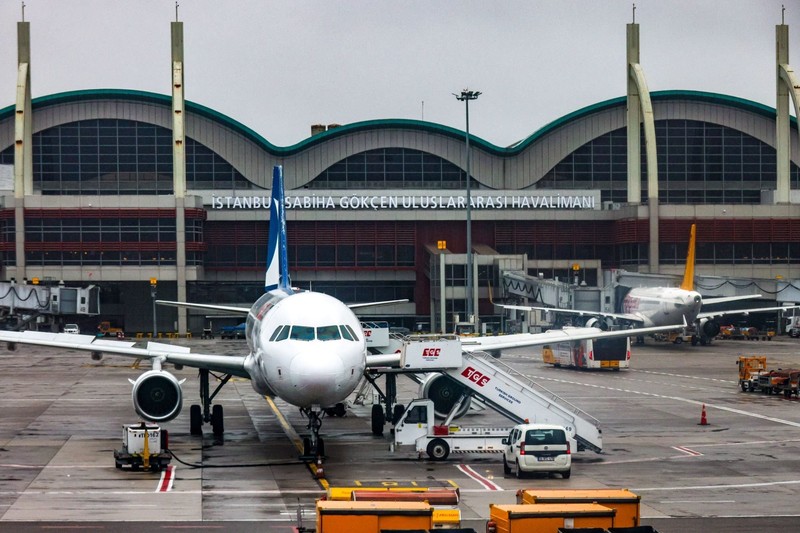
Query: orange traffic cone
x=320 y=471
x=703 y=419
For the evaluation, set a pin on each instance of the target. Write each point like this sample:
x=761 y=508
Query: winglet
x=688 y=274
x=277 y=262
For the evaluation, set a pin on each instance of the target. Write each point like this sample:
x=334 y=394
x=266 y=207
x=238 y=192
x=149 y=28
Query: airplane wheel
x=397 y=412
x=306 y=446
x=694 y=340
x=195 y=420
x=217 y=422
x=378 y=419
x=339 y=410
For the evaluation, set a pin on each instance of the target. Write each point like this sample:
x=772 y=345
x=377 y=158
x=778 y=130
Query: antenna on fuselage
x=688 y=274
x=277 y=262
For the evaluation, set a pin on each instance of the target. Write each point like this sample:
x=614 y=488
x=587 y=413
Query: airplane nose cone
x=316 y=376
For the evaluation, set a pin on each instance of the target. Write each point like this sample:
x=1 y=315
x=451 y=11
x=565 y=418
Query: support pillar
x=179 y=169
x=787 y=85
x=640 y=111
x=23 y=143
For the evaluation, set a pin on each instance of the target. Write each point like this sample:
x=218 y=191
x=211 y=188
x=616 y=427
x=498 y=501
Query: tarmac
x=63 y=414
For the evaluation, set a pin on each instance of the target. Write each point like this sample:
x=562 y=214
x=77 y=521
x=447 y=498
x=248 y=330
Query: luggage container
x=625 y=502
x=371 y=517
x=548 y=517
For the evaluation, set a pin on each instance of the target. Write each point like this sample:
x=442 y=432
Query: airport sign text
x=505 y=200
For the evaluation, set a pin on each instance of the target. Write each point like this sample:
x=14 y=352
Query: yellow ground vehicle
x=750 y=368
x=105 y=328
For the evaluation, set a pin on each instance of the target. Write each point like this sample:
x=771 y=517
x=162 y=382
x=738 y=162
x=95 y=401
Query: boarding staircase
x=492 y=383
x=519 y=398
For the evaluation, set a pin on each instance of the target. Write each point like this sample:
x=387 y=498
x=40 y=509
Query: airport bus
x=592 y=353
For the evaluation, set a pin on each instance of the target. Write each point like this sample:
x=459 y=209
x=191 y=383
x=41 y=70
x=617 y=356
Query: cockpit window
x=302 y=333
x=279 y=331
x=346 y=334
x=352 y=333
x=328 y=333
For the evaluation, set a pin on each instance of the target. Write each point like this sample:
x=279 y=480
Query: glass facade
x=698 y=163
x=392 y=168
x=312 y=245
x=118 y=157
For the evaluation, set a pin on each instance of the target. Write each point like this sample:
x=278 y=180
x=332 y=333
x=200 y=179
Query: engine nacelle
x=157 y=396
x=709 y=328
x=598 y=322
x=444 y=392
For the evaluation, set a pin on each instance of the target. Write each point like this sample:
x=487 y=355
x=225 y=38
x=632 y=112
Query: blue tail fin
x=277 y=262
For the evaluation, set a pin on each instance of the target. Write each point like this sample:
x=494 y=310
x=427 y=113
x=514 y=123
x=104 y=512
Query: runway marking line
x=167 y=478
x=487 y=483
x=687 y=451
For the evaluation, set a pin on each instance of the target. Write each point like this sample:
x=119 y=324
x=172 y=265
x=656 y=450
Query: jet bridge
x=497 y=385
x=48 y=299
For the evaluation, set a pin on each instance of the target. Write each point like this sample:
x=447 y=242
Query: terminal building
x=116 y=188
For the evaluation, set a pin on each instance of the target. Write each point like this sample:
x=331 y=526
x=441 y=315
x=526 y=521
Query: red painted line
x=167 y=477
x=487 y=484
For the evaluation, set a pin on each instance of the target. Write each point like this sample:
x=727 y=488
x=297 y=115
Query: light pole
x=465 y=96
x=153 y=286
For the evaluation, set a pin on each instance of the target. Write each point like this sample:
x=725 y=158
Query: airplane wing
x=178 y=355
x=715 y=314
x=577 y=312
x=385 y=302
x=520 y=340
x=722 y=299
x=206 y=307
x=245 y=310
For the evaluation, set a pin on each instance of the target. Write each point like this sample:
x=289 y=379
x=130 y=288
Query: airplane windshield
x=346 y=334
x=328 y=333
x=280 y=333
x=302 y=333
x=308 y=333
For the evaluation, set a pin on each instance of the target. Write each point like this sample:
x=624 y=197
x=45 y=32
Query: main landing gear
x=207 y=413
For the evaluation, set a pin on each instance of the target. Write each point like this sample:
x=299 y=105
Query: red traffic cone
x=703 y=419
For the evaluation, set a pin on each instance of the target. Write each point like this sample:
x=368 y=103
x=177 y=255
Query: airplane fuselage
x=662 y=306
x=306 y=348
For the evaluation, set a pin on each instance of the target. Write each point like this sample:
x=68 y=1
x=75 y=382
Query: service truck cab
x=417 y=426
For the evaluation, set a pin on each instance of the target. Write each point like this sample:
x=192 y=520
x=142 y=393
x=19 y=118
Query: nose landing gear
x=313 y=446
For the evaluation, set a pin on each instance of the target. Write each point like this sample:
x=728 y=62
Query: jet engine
x=599 y=322
x=157 y=396
x=444 y=392
x=709 y=328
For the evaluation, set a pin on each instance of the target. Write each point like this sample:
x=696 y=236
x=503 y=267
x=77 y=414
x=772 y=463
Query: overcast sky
x=279 y=67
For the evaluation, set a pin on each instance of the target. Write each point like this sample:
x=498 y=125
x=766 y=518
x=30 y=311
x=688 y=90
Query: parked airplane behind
x=661 y=306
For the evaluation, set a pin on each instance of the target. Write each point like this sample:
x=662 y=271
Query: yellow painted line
x=295 y=438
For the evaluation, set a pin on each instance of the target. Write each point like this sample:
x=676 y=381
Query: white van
x=542 y=448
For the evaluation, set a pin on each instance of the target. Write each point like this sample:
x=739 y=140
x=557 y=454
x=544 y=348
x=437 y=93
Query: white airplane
x=306 y=348
x=660 y=306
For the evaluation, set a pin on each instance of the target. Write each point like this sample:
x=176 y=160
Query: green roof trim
x=391 y=123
